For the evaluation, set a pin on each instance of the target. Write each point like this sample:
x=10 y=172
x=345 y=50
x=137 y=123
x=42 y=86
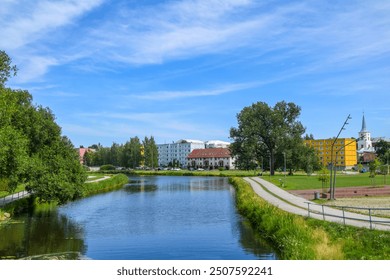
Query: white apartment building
x=179 y=151
x=217 y=144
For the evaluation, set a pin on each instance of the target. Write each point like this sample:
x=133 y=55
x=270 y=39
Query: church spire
x=364 y=127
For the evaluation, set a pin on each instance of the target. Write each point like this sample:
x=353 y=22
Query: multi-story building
x=211 y=158
x=344 y=151
x=177 y=151
x=217 y=144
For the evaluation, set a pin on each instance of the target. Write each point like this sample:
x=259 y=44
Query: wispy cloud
x=168 y=95
x=27 y=29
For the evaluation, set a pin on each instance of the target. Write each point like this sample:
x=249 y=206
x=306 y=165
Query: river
x=151 y=218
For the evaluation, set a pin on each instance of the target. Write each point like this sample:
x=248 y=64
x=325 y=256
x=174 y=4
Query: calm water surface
x=150 y=218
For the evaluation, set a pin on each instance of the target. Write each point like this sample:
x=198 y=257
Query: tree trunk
x=272 y=163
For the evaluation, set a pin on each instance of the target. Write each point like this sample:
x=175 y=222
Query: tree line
x=132 y=154
x=33 y=152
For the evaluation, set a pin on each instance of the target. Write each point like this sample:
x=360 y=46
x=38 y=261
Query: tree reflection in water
x=42 y=235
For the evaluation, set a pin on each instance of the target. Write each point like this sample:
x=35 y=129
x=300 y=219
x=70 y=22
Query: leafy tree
x=382 y=149
x=150 y=152
x=323 y=176
x=268 y=130
x=132 y=153
x=32 y=149
x=13 y=157
x=6 y=69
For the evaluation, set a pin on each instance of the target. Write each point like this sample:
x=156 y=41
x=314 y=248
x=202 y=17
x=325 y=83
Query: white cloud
x=168 y=95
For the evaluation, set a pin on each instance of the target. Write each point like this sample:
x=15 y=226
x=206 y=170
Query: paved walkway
x=299 y=205
x=12 y=197
x=19 y=195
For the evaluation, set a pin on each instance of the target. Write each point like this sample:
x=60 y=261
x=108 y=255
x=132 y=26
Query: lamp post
x=284 y=153
x=333 y=163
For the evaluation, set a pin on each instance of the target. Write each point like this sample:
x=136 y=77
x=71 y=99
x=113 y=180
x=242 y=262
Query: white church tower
x=364 y=143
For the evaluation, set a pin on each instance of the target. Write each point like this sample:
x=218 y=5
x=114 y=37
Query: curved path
x=298 y=205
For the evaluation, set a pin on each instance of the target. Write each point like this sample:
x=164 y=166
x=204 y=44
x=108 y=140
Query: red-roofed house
x=212 y=158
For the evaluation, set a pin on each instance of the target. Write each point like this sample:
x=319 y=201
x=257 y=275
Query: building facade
x=177 y=151
x=344 y=154
x=211 y=158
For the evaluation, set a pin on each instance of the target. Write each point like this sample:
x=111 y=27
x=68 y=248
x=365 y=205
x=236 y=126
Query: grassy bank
x=295 y=237
x=31 y=203
x=113 y=183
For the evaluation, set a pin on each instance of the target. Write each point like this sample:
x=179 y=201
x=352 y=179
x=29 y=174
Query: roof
x=364 y=126
x=210 y=153
x=216 y=142
x=181 y=141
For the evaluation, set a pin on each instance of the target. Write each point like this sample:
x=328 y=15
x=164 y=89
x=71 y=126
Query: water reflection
x=43 y=235
x=149 y=218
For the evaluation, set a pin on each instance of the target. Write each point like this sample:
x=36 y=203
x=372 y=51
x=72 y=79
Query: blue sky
x=111 y=70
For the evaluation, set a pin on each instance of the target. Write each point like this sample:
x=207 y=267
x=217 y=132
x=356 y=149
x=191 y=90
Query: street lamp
x=284 y=154
x=333 y=163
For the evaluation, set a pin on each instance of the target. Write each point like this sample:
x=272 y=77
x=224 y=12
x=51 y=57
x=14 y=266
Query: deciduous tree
x=267 y=131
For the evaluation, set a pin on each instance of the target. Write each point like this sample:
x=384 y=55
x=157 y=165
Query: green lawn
x=303 y=182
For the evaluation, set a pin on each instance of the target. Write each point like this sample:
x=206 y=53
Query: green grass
x=304 y=182
x=115 y=182
x=290 y=235
x=295 y=237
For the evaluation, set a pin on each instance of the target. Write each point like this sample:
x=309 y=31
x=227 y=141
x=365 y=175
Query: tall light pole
x=333 y=163
x=284 y=153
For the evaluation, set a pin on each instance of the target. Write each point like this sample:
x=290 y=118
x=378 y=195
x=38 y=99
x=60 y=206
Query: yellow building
x=344 y=151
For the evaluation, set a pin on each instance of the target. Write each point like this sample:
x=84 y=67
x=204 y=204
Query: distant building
x=82 y=152
x=344 y=151
x=365 y=150
x=217 y=144
x=178 y=151
x=211 y=158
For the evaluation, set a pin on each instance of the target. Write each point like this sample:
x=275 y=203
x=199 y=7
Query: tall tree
x=268 y=130
x=382 y=149
x=150 y=152
x=6 y=68
x=32 y=150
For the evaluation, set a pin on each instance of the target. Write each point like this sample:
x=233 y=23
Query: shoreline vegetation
x=298 y=238
x=90 y=188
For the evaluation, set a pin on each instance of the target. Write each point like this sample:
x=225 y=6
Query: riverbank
x=296 y=237
x=90 y=188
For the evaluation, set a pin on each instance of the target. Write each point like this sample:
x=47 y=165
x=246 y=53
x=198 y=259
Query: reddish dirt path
x=347 y=192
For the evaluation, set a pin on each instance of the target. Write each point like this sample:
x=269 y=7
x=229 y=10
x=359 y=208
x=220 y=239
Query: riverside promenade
x=299 y=206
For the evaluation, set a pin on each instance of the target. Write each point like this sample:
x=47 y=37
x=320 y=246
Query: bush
x=107 y=167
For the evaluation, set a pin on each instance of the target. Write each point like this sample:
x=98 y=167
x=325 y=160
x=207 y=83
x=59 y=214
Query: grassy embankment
x=295 y=237
x=31 y=203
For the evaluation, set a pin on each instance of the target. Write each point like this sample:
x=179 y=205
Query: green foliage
x=6 y=69
x=115 y=182
x=33 y=151
x=373 y=165
x=383 y=151
x=107 y=167
x=265 y=132
x=127 y=155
